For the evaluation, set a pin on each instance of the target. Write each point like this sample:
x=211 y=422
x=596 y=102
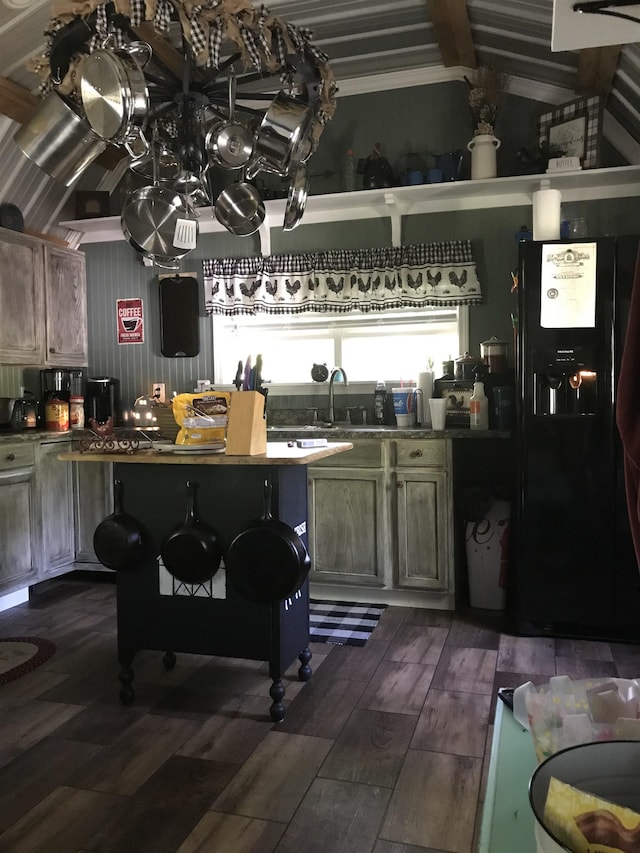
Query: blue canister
x=502 y=409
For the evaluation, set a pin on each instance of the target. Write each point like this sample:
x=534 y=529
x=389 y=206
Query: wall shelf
x=396 y=202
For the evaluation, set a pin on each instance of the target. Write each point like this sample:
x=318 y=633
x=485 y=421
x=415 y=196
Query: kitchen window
x=390 y=345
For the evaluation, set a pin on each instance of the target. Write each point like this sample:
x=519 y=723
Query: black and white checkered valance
x=415 y=276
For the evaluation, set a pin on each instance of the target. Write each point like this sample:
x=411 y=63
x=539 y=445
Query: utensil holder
x=247 y=425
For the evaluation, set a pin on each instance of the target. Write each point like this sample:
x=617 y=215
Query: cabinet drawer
x=16 y=456
x=431 y=453
x=365 y=454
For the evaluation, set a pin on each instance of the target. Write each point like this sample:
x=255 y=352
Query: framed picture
x=575 y=128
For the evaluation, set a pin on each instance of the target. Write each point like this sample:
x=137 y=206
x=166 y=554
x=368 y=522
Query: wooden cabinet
x=347 y=524
x=93 y=501
x=18 y=539
x=66 y=307
x=423 y=514
x=381 y=523
x=49 y=510
x=22 y=327
x=55 y=504
x=43 y=303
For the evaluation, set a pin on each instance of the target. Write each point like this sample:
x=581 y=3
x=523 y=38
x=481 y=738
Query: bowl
x=607 y=769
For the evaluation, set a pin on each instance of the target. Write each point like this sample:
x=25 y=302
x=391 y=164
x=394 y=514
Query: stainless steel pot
x=59 y=140
x=230 y=144
x=114 y=94
x=240 y=209
x=282 y=137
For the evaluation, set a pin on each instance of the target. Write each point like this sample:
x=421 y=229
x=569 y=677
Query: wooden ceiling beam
x=596 y=69
x=451 y=25
x=16 y=102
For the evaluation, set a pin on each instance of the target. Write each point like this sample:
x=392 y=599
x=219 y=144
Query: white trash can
x=487 y=547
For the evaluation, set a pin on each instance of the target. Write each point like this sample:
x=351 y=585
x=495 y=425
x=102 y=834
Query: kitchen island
x=158 y=612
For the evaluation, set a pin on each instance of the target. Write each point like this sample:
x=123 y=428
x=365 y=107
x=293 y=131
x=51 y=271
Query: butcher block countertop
x=278 y=453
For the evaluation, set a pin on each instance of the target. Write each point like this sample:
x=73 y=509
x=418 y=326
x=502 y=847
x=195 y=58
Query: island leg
x=277 y=691
x=305 y=671
x=125 y=675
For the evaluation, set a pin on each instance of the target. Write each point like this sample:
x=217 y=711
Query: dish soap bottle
x=479 y=407
x=378 y=402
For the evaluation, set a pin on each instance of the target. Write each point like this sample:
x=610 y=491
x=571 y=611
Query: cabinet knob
x=399 y=485
x=11 y=457
x=52 y=349
x=415 y=454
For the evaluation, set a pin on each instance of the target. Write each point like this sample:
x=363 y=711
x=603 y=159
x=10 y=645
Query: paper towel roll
x=546 y=213
x=425 y=383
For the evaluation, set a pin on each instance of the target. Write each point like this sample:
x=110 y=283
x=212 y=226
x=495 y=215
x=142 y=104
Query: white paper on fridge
x=568 y=286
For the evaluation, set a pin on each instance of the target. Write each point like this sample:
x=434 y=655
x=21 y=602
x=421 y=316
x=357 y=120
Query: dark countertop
x=342 y=432
x=39 y=435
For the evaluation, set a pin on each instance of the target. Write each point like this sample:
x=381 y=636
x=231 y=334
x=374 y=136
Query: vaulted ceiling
x=372 y=45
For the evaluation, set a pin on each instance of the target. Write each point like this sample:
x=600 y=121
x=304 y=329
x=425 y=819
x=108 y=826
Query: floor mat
x=19 y=655
x=344 y=623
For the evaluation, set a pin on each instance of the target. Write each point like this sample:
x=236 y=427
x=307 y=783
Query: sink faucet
x=338 y=374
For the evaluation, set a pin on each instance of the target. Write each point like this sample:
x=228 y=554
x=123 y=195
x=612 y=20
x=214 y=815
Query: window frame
x=218 y=320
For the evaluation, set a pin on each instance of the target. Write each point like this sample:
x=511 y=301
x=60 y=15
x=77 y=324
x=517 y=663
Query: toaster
x=18 y=413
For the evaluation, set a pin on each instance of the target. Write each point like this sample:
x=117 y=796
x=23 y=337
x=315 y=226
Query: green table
x=507 y=819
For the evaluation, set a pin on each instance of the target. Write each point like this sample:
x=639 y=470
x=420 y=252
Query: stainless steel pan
x=151 y=218
x=114 y=94
x=59 y=140
x=297 y=197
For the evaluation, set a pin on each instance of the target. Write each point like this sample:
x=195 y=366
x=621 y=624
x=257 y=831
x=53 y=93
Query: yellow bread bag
x=588 y=824
x=202 y=417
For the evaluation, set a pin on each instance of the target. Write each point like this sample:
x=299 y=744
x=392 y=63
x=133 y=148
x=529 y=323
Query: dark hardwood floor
x=384 y=750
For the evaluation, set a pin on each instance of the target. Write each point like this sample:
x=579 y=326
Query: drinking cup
x=438 y=409
x=404 y=406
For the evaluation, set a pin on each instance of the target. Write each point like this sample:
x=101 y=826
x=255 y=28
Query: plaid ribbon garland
x=215 y=43
x=198 y=33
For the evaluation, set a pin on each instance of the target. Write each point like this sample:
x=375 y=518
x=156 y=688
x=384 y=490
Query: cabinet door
x=66 y=307
x=348 y=523
x=423 y=509
x=55 y=488
x=21 y=299
x=17 y=545
x=93 y=487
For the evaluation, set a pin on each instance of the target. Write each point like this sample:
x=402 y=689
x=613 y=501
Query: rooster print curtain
x=423 y=274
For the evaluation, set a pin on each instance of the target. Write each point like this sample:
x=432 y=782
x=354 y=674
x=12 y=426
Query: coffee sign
x=130 y=321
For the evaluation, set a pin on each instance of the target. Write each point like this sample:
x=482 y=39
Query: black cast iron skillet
x=192 y=551
x=267 y=562
x=118 y=540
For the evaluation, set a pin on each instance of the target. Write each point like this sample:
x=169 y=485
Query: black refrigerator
x=575 y=571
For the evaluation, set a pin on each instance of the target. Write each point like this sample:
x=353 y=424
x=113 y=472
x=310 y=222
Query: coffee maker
x=102 y=400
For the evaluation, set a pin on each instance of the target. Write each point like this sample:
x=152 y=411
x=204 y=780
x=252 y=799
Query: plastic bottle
x=378 y=402
x=349 y=172
x=479 y=407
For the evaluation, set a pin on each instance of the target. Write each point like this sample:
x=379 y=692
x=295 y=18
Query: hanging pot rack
x=275 y=65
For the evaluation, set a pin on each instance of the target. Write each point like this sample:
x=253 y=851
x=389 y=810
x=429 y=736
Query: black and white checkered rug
x=343 y=623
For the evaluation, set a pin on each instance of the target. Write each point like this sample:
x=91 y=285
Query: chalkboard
x=179 y=327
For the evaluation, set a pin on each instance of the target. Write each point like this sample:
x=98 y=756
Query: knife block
x=247 y=425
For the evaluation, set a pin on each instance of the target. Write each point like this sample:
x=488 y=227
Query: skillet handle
x=118 y=496
x=268 y=490
x=192 y=512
